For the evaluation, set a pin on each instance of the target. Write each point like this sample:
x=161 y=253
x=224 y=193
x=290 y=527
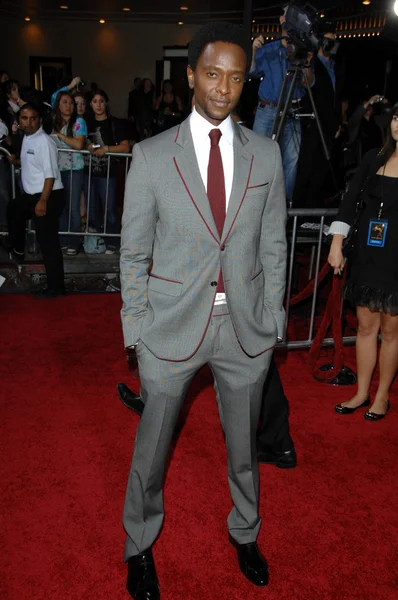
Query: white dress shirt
x=39 y=161
x=200 y=129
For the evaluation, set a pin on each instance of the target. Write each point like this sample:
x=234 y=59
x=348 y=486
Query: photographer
x=73 y=86
x=327 y=90
x=270 y=60
x=366 y=130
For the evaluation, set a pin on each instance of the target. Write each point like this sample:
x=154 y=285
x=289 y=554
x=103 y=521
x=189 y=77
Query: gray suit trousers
x=164 y=384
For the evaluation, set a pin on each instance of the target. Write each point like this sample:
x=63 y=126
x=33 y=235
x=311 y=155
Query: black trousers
x=19 y=211
x=273 y=432
x=312 y=170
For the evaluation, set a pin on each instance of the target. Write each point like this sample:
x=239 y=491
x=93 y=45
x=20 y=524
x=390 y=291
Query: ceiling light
x=64 y=7
x=322 y=16
x=366 y=2
x=180 y=23
x=183 y=7
x=254 y=20
x=126 y=9
x=102 y=21
x=27 y=18
x=396 y=7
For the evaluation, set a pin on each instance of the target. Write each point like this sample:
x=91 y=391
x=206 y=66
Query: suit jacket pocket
x=164 y=286
x=261 y=188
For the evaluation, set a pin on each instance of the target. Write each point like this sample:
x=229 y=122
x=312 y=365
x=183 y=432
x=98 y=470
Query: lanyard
x=382 y=192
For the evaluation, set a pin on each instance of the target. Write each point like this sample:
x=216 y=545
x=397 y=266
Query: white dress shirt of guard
x=39 y=162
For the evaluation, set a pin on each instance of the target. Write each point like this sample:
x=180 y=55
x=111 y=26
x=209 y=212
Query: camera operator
x=327 y=90
x=270 y=60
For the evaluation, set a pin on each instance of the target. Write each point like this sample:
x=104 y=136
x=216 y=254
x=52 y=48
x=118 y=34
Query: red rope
x=309 y=289
x=332 y=317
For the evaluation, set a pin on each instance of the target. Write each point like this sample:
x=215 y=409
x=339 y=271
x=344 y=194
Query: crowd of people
x=78 y=120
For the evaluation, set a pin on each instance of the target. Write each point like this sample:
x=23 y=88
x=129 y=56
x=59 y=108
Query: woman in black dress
x=372 y=284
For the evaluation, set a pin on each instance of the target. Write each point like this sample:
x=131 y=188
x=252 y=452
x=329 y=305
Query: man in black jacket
x=313 y=166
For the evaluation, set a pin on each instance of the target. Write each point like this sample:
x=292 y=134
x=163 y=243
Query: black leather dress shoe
x=130 y=399
x=372 y=416
x=346 y=410
x=283 y=460
x=142 y=581
x=252 y=564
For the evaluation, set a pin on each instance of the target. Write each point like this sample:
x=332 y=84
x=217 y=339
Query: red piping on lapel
x=244 y=195
x=178 y=133
x=194 y=203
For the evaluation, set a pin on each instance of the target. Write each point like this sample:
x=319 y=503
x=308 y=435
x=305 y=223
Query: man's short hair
x=31 y=106
x=218 y=32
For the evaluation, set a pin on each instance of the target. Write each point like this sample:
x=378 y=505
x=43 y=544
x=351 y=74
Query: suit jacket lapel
x=187 y=166
x=243 y=160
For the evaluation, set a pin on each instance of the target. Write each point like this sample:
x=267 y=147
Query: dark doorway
x=46 y=72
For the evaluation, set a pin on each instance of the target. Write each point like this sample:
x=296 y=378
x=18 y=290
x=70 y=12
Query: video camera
x=303 y=32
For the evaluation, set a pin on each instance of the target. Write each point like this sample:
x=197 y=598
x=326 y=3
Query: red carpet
x=330 y=527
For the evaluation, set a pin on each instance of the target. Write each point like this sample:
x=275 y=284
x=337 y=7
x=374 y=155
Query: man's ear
x=191 y=77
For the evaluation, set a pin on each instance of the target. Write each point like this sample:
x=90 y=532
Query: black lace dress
x=373 y=271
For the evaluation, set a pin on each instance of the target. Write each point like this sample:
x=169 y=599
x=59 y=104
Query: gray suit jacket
x=167 y=220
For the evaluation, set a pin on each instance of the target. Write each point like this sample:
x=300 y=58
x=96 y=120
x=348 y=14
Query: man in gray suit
x=205 y=203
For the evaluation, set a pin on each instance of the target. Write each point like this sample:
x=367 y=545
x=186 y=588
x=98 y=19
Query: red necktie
x=216 y=188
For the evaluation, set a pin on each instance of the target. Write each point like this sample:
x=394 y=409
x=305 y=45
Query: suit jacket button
x=213 y=283
x=222 y=248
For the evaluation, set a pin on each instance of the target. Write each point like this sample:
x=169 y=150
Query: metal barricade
x=88 y=186
x=4 y=152
x=314 y=236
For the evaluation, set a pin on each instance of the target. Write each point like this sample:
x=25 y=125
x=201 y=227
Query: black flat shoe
x=346 y=410
x=372 y=416
x=48 y=294
x=252 y=564
x=282 y=460
x=142 y=580
x=130 y=399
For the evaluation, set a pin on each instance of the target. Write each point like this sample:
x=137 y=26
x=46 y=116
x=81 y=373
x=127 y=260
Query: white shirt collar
x=38 y=132
x=200 y=127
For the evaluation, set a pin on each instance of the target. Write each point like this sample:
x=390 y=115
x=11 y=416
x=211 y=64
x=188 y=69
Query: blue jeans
x=289 y=144
x=96 y=217
x=73 y=186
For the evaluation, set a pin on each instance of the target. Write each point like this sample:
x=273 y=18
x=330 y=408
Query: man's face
x=218 y=80
x=29 y=121
x=330 y=36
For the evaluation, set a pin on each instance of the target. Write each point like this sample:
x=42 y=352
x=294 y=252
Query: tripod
x=298 y=73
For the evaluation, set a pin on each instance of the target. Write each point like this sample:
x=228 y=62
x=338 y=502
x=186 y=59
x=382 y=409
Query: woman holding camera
x=70 y=131
x=371 y=207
